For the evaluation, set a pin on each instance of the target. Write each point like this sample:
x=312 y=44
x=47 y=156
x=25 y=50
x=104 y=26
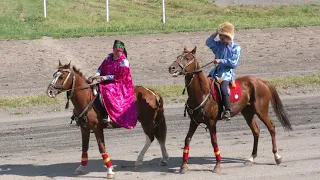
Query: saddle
x=98 y=106
x=234 y=91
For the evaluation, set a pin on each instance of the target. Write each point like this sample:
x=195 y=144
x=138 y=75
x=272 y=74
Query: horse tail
x=160 y=121
x=278 y=108
x=159 y=102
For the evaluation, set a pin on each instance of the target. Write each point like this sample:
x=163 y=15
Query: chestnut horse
x=89 y=114
x=202 y=108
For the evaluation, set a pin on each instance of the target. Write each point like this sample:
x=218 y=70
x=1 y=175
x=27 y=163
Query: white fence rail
x=107 y=10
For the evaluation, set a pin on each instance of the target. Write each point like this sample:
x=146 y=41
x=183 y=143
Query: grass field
x=27 y=101
x=170 y=93
x=23 y=19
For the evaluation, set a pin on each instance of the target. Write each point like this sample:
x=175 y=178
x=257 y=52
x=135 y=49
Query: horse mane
x=76 y=70
x=203 y=85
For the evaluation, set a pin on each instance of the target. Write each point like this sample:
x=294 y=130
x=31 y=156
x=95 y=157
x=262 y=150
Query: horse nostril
x=172 y=68
x=50 y=93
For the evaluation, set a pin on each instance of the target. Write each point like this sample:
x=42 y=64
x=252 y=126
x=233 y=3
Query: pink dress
x=118 y=92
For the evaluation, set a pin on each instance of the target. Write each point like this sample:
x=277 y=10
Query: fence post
x=163 y=12
x=45 y=8
x=107 y=10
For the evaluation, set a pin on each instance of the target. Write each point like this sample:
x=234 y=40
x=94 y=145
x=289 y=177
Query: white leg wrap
x=143 y=151
x=165 y=155
x=251 y=158
x=80 y=170
x=277 y=156
x=110 y=170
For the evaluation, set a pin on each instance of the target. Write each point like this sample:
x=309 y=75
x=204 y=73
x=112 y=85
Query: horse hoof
x=110 y=176
x=216 y=170
x=248 y=163
x=183 y=170
x=79 y=170
x=278 y=161
x=138 y=163
x=163 y=162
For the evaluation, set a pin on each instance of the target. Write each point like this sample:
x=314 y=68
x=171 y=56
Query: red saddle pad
x=235 y=92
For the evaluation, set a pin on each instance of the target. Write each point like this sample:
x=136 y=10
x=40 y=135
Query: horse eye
x=60 y=78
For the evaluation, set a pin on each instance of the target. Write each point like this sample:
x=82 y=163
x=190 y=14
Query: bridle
x=57 y=75
x=201 y=106
x=183 y=67
x=61 y=88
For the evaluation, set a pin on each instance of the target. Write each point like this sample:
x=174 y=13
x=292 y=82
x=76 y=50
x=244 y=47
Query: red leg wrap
x=107 y=160
x=217 y=153
x=186 y=153
x=84 y=159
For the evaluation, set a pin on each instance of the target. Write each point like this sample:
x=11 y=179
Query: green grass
x=27 y=101
x=170 y=93
x=295 y=81
x=23 y=19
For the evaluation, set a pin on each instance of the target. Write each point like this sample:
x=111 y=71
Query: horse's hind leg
x=262 y=109
x=98 y=131
x=85 y=134
x=160 y=134
x=248 y=114
x=149 y=140
x=192 y=129
x=214 y=142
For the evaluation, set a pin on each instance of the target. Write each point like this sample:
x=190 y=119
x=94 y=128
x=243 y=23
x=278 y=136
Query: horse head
x=184 y=63
x=62 y=80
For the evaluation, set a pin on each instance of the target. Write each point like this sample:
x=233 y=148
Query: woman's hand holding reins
x=97 y=78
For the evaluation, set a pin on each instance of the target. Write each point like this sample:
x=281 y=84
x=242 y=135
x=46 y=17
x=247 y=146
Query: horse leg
x=85 y=134
x=214 y=142
x=192 y=129
x=160 y=134
x=262 y=109
x=98 y=131
x=149 y=140
x=248 y=114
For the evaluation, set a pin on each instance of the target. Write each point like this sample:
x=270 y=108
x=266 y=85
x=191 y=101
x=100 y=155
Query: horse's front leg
x=214 y=142
x=192 y=129
x=85 y=134
x=98 y=131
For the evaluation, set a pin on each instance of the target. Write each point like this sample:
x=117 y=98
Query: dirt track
x=48 y=147
x=27 y=66
x=31 y=150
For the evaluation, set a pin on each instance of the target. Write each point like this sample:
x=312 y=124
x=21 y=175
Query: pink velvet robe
x=118 y=94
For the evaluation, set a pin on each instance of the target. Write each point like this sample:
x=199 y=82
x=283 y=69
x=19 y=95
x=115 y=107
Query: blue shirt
x=229 y=56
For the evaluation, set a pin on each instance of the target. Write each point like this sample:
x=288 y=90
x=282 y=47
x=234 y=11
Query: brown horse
x=202 y=108
x=88 y=113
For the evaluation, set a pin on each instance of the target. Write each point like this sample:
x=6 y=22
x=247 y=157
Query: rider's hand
x=217 y=61
x=91 y=78
x=103 y=78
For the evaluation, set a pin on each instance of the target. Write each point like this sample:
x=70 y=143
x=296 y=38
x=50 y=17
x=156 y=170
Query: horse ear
x=69 y=65
x=194 y=50
x=60 y=63
x=185 y=50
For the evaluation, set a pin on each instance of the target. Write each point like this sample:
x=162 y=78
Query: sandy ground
x=31 y=150
x=43 y=145
x=27 y=66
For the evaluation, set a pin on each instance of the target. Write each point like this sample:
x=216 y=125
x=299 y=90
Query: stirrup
x=226 y=117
